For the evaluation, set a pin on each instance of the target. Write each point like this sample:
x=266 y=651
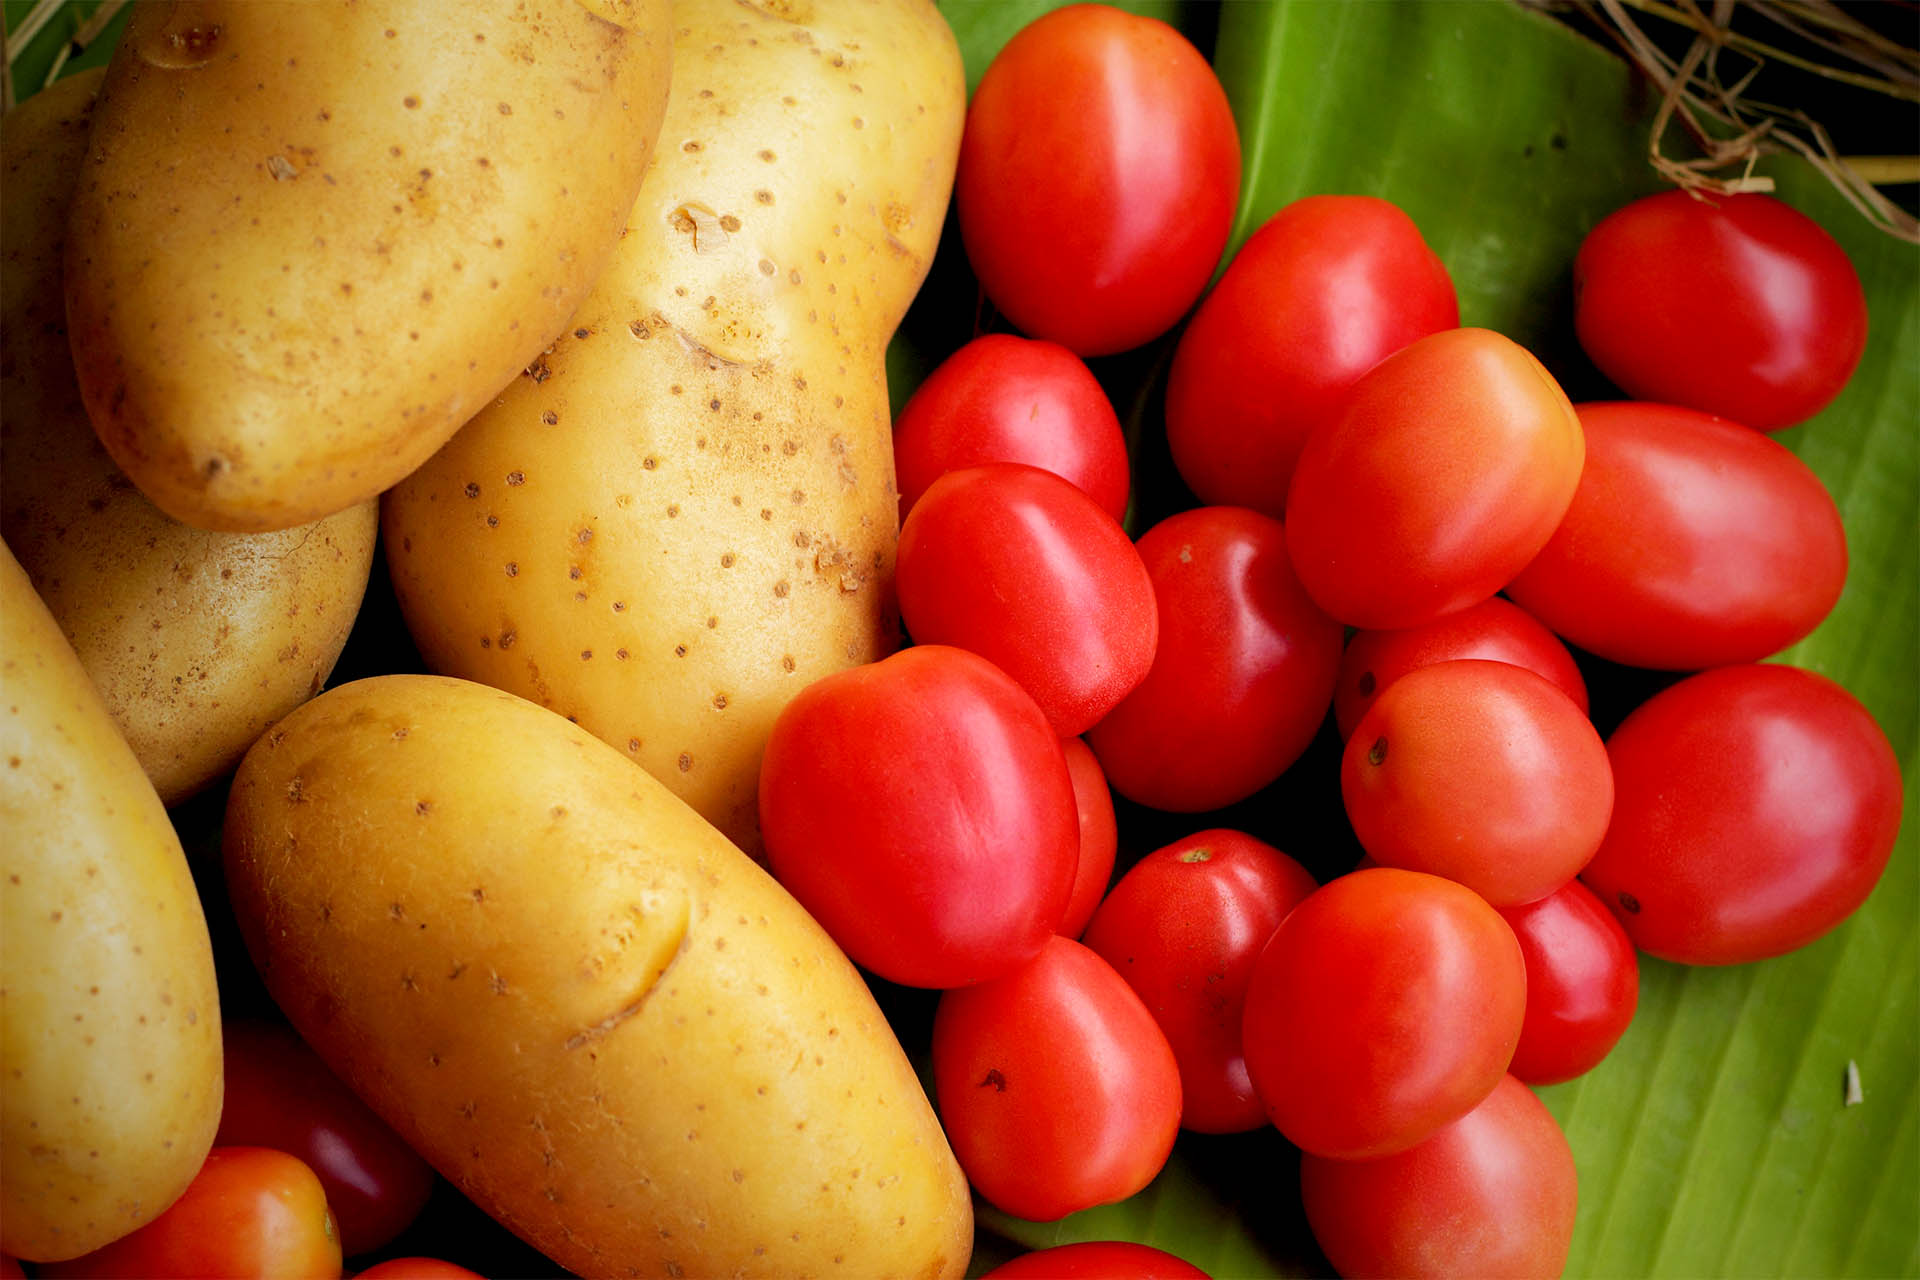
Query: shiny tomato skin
x=1448 y=467
x=1004 y=398
x=1491 y=1195
x=920 y=808
x=1056 y=1088
x=1583 y=984
x=1755 y=808
x=1324 y=290
x=1691 y=542
x=1098 y=174
x=417 y=1269
x=1183 y=927
x=1243 y=673
x=1740 y=306
x=1097 y=1260
x=1099 y=836
x=1376 y=949
x=1024 y=569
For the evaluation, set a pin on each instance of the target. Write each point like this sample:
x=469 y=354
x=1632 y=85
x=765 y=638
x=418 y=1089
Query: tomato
x=920 y=808
x=1385 y=1006
x=1183 y=927
x=280 y=1094
x=1243 y=674
x=1493 y=1194
x=1583 y=983
x=1755 y=807
x=1448 y=468
x=1099 y=836
x=1055 y=1086
x=1097 y=1260
x=1027 y=571
x=1098 y=175
x=1323 y=291
x=1691 y=542
x=1481 y=772
x=417 y=1269
x=1003 y=398
x=250 y=1212
x=1740 y=306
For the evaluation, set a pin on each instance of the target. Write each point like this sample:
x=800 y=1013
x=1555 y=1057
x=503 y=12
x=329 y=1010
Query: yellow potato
x=684 y=512
x=197 y=641
x=600 y=1020
x=109 y=1021
x=311 y=239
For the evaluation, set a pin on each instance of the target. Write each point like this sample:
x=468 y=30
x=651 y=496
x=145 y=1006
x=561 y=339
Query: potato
x=311 y=239
x=684 y=512
x=197 y=641
x=605 y=1024
x=109 y=1020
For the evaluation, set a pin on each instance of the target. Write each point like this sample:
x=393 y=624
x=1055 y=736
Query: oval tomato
x=1583 y=984
x=1099 y=836
x=417 y=1269
x=1097 y=1260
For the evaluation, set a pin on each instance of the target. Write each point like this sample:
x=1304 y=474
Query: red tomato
x=1691 y=542
x=1184 y=927
x=1099 y=836
x=250 y=1213
x=1003 y=398
x=417 y=1269
x=280 y=1094
x=1583 y=984
x=1097 y=1260
x=1382 y=948
x=1022 y=568
x=1243 y=674
x=1481 y=772
x=1056 y=1089
x=1328 y=287
x=920 y=808
x=1740 y=306
x=10 y=1268
x=1448 y=468
x=1097 y=180
x=1491 y=1195
x=1755 y=808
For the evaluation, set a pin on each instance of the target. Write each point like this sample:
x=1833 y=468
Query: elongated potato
x=684 y=512
x=109 y=1021
x=599 y=1019
x=311 y=239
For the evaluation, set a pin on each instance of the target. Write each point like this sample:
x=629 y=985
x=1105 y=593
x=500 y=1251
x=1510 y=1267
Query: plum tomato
x=1691 y=542
x=417 y=1269
x=1493 y=1194
x=1024 y=569
x=1243 y=674
x=920 y=808
x=1097 y=1260
x=1099 y=836
x=1755 y=807
x=1583 y=983
x=1481 y=772
x=1448 y=467
x=1740 y=306
x=1382 y=948
x=1055 y=1085
x=1004 y=398
x=1322 y=292
x=1098 y=174
x=1183 y=927
x=1495 y=629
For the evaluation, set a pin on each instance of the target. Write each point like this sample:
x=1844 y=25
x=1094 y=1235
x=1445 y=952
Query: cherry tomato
x=1448 y=468
x=1583 y=984
x=1243 y=674
x=1328 y=287
x=1027 y=571
x=1055 y=1086
x=1097 y=1260
x=920 y=808
x=1755 y=808
x=1183 y=927
x=1691 y=542
x=1099 y=836
x=1481 y=772
x=417 y=1269
x=1491 y=1195
x=1098 y=175
x=1003 y=398
x=1740 y=306
x=1378 y=949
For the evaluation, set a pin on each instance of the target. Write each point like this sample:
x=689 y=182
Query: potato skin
x=109 y=1019
x=684 y=512
x=600 y=1020
x=311 y=239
